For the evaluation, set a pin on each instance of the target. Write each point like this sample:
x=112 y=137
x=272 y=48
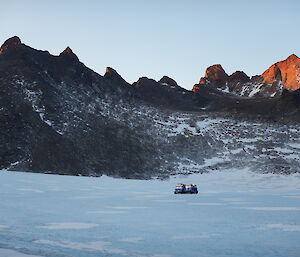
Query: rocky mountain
x=287 y=72
x=59 y=116
x=281 y=75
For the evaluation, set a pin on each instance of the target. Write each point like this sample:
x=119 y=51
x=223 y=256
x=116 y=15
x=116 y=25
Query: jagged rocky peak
x=292 y=57
x=10 y=43
x=216 y=72
x=238 y=77
x=167 y=80
x=286 y=71
x=144 y=82
x=281 y=75
x=112 y=75
x=68 y=53
x=110 y=71
x=215 y=76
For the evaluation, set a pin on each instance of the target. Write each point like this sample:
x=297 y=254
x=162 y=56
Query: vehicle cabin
x=186 y=189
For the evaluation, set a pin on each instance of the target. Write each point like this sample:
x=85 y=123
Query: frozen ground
x=236 y=213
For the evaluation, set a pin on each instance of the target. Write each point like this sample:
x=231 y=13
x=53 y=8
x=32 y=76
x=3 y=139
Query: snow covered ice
x=236 y=213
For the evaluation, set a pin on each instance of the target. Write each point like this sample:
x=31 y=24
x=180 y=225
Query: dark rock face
x=216 y=75
x=169 y=81
x=146 y=83
x=238 y=77
x=114 y=80
x=69 y=55
x=10 y=44
x=166 y=93
x=59 y=116
x=257 y=79
x=113 y=75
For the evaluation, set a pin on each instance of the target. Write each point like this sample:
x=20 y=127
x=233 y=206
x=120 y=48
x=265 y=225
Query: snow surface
x=215 y=143
x=11 y=253
x=255 y=90
x=236 y=213
x=283 y=227
x=68 y=225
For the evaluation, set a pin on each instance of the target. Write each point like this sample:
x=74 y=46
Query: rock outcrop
x=114 y=77
x=216 y=76
x=10 y=44
x=238 y=77
x=287 y=72
x=68 y=53
x=166 y=93
x=168 y=81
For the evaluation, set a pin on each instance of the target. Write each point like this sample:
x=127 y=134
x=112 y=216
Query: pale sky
x=154 y=38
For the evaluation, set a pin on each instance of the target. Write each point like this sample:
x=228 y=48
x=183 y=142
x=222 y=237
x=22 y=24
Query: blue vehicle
x=191 y=189
x=179 y=189
x=186 y=189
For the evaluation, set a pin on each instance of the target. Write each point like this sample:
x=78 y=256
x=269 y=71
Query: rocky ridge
x=59 y=116
x=281 y=75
